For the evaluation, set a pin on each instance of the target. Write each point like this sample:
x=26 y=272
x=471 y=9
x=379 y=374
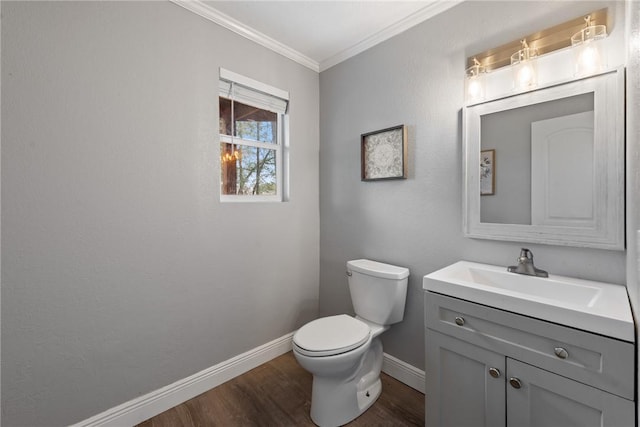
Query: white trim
x=249 y=198
x=144 y=407
x=286 y=166
x=208 y=12
x=212 y=14
x=403 y=372
x=434 y=8
x=228 y=139
x=151 y=404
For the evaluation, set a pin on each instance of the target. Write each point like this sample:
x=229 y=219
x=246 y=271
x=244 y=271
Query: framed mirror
x=547 y=166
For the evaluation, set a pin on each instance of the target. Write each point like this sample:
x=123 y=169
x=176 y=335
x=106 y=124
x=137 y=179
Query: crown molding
x=434 y=8
x=212 y=14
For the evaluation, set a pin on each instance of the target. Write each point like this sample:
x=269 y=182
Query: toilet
x=344 y=353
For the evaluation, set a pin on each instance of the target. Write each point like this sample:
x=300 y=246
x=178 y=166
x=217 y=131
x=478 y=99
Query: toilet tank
x=378 y=290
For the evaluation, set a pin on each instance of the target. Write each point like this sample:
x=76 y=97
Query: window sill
x=250 y=199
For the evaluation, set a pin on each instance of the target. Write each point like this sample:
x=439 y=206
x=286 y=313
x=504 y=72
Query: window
x=252 y=139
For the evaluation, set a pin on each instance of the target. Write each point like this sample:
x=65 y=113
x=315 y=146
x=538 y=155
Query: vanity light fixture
x=524 y=66
x=530 y=67
x=589 y=53
x=475 y=83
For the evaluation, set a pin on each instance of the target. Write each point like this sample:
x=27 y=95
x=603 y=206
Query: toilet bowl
x=344 y=353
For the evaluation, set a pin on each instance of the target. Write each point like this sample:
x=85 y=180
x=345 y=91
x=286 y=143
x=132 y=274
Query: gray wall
x=122 y=272
x=416 y=78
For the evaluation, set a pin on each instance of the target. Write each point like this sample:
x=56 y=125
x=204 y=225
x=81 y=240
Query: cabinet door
x=545 y=399
x=460 y=389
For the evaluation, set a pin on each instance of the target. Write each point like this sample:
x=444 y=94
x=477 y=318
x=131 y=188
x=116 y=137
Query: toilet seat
x=331 y=335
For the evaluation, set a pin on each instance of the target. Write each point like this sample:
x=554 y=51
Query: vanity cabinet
x=489 y=367
x=541 y=398
x=460 y=390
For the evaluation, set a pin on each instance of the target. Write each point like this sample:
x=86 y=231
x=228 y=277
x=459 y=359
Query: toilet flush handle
x=349 y=273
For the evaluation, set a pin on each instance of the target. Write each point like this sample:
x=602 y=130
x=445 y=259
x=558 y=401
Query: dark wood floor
x=278 y=393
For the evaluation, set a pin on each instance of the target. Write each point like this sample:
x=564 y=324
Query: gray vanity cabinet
x=460 y=391
x=489 y=367
x=547 y=399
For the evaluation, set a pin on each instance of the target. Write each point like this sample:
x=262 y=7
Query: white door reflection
x=562 y=171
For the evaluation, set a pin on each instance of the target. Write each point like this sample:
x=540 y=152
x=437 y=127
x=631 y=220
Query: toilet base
x=335 y=402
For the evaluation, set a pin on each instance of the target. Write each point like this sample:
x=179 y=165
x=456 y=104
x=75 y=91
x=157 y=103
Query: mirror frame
x=608 y=231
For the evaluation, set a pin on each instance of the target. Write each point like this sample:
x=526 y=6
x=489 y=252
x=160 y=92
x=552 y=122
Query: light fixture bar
x=545 y=41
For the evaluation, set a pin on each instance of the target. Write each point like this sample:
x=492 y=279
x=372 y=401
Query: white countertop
x=598 y=307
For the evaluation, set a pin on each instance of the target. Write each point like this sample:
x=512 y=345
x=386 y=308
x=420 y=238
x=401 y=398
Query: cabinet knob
x=460 y=321
x=494 y=372
x=515 y=382
x=561 y=352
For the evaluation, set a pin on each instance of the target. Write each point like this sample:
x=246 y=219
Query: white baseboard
x=403 y=372
x=151 y=404
x=144 y=407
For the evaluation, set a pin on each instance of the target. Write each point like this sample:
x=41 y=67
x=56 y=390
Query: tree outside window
x=249 y=149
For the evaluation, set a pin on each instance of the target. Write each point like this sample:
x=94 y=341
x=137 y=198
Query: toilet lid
x=332 y=335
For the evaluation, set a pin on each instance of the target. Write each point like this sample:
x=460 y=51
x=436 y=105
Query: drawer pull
x=460 y=321
x=515 y=382
x=561 y=352
x=494 y=372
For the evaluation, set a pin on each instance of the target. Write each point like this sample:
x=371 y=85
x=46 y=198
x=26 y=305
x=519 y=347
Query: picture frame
x=487 y=172
x=383 y=154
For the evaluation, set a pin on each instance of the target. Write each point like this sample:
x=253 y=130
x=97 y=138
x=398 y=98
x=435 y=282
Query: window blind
x=257 y=95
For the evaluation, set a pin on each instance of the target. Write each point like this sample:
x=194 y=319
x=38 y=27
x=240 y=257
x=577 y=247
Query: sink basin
x=597 y=307
x=551 y=288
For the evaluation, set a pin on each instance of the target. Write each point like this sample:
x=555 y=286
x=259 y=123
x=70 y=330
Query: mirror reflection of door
x=509 y=133
x=562 y=171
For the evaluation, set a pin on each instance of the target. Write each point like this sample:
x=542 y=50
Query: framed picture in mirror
x=487 y=172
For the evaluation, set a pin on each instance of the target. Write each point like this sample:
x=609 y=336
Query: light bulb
x=474 y=82
x=524 y=67
x=588 y=60
x=525 y=77
x=474 y=90
x=589 y=57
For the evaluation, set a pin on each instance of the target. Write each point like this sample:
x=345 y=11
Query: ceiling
x=318 y=34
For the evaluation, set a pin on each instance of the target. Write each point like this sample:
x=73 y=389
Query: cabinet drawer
x=602 y=362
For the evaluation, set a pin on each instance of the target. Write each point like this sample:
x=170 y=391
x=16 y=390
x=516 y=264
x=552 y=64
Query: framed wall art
x=383 y=154
x=487 y=172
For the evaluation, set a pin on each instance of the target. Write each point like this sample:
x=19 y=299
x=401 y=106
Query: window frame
x=280 y=147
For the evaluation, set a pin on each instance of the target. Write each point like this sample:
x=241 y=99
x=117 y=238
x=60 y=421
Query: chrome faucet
x=525 y=265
